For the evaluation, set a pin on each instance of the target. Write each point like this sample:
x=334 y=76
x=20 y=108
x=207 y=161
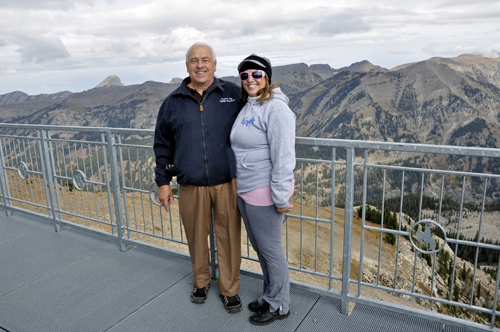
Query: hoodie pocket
x=255 y=163
x=243 y=164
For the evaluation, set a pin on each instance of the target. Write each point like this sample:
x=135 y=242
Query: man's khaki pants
x=196 y=205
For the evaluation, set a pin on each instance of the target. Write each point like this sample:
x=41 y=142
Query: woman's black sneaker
x=254 y=306
x=265 y=317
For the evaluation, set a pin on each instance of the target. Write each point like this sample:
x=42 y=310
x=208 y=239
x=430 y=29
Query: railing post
x=332 y=218
x=349 y=200
x=108 y=183
x=115 y=186
x=48 y=180
x=4 y=185
x=213 y=250
x=123 y=186
x=494 y=312
x=59 y=215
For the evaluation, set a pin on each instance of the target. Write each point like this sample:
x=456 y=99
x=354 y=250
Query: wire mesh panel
x=314 y=230
x=24 y=171
x=3 y=178
x=82 y=181
x=418 y=225
x=438 y=239
x=2 y=200
x=144 y=218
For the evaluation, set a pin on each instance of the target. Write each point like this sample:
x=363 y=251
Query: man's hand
x=286 y=210
x=165 y=196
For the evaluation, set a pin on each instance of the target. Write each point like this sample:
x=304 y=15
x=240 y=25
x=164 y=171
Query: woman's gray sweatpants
x=264 y=226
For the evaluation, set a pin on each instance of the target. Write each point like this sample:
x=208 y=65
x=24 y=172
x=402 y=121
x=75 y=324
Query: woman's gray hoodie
x=263 y=141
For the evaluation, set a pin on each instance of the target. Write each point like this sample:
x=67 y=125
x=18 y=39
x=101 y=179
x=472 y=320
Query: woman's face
x=253 y=85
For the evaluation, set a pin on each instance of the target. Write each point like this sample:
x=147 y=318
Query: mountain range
x=453 y=101
x=443 y=101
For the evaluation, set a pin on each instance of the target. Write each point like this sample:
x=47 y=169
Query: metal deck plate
x=173 y=311
x=87 y=290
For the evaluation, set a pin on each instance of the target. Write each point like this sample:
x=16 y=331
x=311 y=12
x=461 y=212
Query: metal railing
x=372 y=220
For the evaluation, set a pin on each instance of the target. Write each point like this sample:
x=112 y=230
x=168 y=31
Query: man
x=192 y=134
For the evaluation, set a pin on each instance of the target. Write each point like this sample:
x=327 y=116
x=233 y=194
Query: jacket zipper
x=203 y=135
x=204 y=141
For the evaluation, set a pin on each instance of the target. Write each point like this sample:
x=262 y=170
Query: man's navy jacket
x=196 y=142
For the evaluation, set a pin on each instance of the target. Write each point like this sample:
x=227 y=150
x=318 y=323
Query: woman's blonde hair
x=266 y=93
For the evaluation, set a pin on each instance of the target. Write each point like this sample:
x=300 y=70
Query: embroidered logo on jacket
x=246 y=122
x=227 y=100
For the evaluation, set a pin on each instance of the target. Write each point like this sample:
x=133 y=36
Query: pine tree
x=456 y=293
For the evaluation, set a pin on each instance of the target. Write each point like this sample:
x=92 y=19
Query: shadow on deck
x=79 y=281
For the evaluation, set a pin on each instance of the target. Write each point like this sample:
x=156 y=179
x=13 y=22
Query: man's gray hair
x=200 y=44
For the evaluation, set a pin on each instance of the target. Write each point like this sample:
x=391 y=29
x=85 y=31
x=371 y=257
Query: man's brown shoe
x=199 y=295
x=232 y=303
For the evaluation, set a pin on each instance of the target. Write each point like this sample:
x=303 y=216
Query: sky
x=48 y=46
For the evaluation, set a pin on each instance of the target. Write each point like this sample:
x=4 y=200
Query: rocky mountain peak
x=13 y=97
x=111 y=80
x=320 y=67
x=362 y=67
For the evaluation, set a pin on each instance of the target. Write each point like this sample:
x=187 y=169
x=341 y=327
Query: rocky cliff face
x=111 y=80
x=18 y=104
x=438 y=101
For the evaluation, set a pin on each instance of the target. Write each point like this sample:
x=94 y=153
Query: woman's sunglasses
x=257 y=74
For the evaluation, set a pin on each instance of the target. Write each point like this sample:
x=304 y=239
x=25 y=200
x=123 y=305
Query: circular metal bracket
x=79 y=180
x=424 y=238
x=153 y=194
x=22 y=170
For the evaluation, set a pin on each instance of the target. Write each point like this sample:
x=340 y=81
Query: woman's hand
x=286 y=210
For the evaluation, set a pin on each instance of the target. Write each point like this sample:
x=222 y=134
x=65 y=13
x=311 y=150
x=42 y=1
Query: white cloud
x=248 y=29
x=156 y=48
x=11 y=71
x=490 y=51
x=289 y=37
x=44 y=4
x=39 y=48
x=81 y=42
x=182 y=37
x=341 y=23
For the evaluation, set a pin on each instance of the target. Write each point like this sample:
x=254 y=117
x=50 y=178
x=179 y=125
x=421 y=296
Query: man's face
x=201 y=66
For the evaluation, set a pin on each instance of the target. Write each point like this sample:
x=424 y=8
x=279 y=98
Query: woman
x=263 y=141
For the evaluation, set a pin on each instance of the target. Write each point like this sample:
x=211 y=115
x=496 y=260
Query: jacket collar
x=183 y=89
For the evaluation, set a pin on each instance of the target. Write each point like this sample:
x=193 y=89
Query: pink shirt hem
x=262 y=196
